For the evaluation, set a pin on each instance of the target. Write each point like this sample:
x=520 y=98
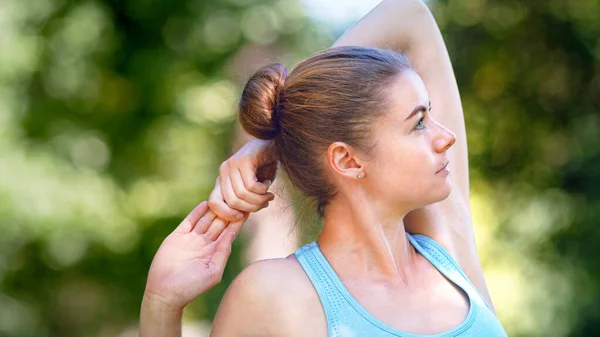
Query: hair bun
x=259 y=104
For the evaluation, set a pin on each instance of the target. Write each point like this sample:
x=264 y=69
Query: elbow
x=414 y=9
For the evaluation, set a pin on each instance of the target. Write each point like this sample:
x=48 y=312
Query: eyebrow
x=420 y=108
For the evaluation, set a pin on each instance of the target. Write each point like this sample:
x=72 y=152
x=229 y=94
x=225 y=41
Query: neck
x=363 y=239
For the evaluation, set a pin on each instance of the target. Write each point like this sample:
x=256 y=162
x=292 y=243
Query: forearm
x=158 y=319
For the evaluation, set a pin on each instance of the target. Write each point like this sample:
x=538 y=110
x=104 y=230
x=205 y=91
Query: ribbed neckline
x=314 y=248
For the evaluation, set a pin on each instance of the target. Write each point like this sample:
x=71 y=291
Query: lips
x=443 y=167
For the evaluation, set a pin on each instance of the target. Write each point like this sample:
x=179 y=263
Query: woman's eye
x=420 y=125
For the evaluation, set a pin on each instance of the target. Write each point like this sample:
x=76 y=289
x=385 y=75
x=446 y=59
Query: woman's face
x=411 y=148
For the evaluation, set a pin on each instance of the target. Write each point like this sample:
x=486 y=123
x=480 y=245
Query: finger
x=233 y=227
x=242 y=192
x=190 y=220
x=251 y=182
x=204 y=222
x=232 y=199
x=225 y=241
x=266 y=204
x=217 y=204
x=223 y=250
x=215 y=229
x=267 y=171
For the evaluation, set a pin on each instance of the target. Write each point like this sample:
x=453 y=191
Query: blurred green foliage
x=115 y=115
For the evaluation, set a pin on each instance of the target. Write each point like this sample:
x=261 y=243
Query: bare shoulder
x=269 y=298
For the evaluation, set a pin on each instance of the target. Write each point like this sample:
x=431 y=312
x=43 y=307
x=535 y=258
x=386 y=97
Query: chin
x=439 y=195
x=446 y=194
x=443 y=192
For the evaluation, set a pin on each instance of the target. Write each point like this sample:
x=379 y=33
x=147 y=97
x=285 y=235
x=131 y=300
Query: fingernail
x=239 y=216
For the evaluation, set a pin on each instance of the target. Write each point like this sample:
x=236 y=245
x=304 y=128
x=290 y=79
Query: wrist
x=159 y=318
x=160 y=304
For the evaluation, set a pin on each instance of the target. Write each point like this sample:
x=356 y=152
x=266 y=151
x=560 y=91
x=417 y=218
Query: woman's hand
x=191 y=259
x=244 y=181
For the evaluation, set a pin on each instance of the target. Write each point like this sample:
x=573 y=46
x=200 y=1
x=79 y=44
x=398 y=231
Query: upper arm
x=409 y=27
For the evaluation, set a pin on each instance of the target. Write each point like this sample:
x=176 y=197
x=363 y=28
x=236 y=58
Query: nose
x=445 y=139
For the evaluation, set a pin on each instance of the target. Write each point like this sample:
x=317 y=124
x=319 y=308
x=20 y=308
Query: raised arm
x=408 y=26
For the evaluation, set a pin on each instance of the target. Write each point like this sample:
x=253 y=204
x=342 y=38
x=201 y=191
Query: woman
x=364 y=134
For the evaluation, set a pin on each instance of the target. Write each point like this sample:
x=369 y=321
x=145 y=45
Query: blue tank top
x=347 y=318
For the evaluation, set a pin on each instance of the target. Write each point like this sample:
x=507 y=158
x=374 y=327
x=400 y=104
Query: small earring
x=358 y=176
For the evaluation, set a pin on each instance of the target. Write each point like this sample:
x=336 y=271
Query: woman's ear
x=342 y=159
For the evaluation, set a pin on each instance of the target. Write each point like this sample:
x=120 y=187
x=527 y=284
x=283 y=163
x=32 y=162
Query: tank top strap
x=441 y=259
x=323 y=283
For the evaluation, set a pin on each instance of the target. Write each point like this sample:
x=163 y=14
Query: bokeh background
x=115 y=115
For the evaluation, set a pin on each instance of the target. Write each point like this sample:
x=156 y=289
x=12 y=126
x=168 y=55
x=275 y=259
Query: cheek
x=405 y=168
x=406 y=174
x=412 y=161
